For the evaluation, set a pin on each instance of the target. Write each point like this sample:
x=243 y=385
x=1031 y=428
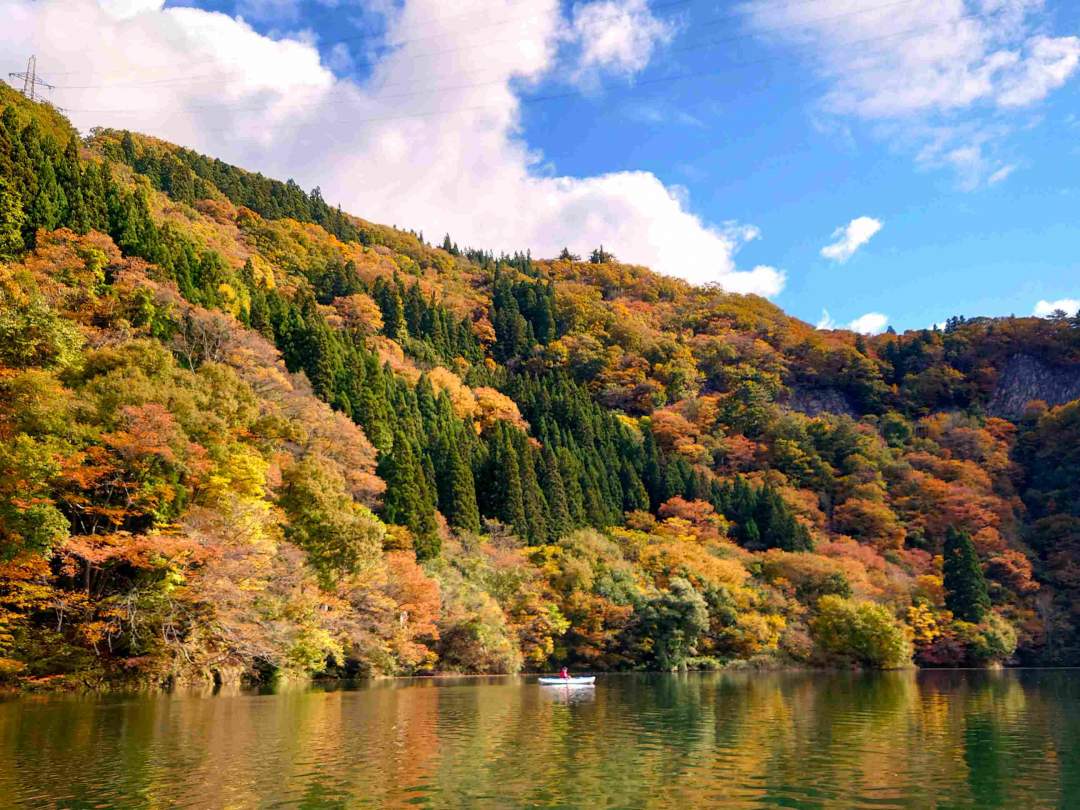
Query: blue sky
x=952 y=125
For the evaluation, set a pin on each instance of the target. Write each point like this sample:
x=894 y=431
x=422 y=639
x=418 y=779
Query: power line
x=693 y=46
x=644 y=83
x=538 y=15
x=216 y=76
x=330 y=12
x=428 y=54
x=502 y=80
x=396 y=43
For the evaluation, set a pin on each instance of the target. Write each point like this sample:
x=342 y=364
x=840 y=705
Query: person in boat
x=565 y=674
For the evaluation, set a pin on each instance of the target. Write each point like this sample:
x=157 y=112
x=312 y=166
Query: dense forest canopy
x=244 y=434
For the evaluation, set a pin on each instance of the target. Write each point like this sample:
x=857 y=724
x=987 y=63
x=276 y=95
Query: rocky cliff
x=1026 y=378
x=816 y=401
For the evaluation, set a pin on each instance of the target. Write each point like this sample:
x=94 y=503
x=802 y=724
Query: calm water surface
x=937 y=739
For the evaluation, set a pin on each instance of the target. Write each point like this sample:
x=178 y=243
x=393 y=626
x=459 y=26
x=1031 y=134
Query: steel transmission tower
x=31 y=82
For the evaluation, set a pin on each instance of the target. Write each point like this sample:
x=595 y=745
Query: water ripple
x=801 y=740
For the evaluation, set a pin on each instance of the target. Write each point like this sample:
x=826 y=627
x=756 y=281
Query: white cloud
x=1050 y=62
x=762 y=280
x=129 y=8
x=872 y=323
x=1044 y=309
x=970 y=149
x=615 y=36
x=421 y=143
x=849 y=238
x=1002 y=173
x=928 y=71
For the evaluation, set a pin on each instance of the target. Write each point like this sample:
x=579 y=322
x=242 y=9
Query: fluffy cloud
x=849 y=238
x=422 y=142
x=933 y=73
x=872 y=323
x=616 y=36
x=129 y=8
x=1048 y=63
x=1070 y=306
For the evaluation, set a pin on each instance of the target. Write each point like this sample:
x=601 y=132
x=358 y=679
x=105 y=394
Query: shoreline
x=350 y=684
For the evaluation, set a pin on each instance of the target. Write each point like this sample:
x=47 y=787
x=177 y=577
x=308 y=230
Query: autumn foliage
x=246 y=435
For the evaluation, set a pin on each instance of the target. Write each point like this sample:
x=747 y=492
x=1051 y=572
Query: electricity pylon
x=31 y=82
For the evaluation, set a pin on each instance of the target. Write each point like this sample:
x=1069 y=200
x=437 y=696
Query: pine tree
x=45 y=208
x=504 y=482
x=634 y=495
x=427 y=543
x=532 y=498
x=127 y=148
x=463 y=512
x=69 y=175
x=426 y=403
x=412 y=303
x=674 y=483
x=404 y=501
x=388 y=296
x=601 y=256
x=571 y=473
x=559 y=520
x=97 y=215
x=751 y=535
x=596 y=507
x=11 y=222
x=513 y=334
x=965 y=588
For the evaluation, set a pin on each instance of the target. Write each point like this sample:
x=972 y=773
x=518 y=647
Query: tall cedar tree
x=965 y=587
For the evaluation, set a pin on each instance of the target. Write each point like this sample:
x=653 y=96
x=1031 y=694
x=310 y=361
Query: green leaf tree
x=12 y=218
x=965 y=588
x=340 y=535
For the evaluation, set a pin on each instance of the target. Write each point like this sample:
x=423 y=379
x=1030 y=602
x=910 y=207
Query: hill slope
x=243 y=434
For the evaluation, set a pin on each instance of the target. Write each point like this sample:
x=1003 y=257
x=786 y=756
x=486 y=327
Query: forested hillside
x=244 y=434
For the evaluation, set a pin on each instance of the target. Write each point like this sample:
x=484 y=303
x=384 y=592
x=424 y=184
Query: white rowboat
x=583 y=681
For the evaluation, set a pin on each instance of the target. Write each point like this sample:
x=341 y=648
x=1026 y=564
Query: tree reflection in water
x=902 y=739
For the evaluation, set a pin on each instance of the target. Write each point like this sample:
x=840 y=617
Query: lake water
x=930 y=739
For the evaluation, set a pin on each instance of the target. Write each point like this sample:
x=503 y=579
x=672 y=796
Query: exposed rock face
x=816 y=401
x=1026 y=378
